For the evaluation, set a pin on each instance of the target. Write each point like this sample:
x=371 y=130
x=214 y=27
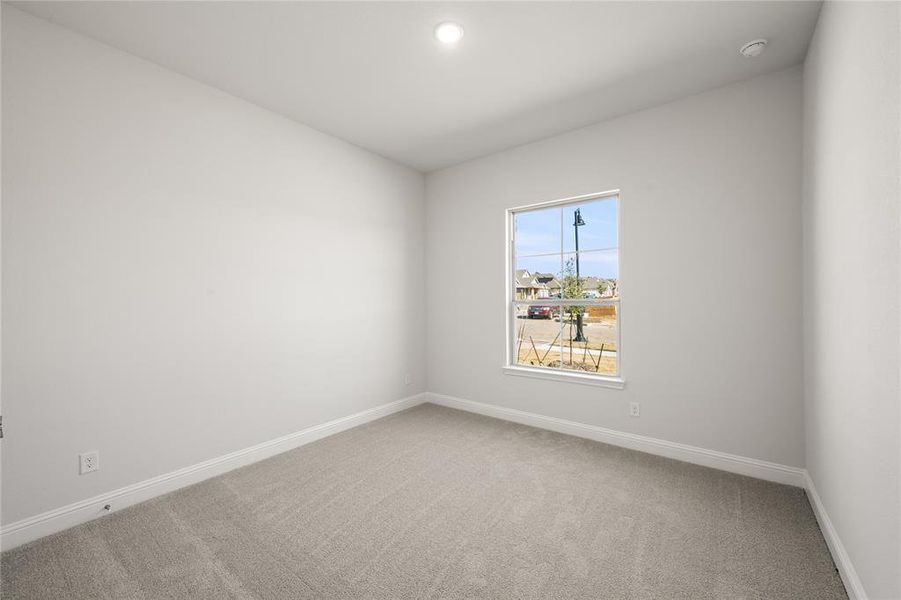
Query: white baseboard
x=700 y=456
x=38 y=526
x=732 y=463
x=852 y=582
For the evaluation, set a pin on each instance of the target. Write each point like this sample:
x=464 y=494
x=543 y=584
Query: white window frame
x=510 y=367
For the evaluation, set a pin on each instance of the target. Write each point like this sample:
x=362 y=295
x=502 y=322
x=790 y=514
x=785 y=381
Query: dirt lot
x=548 y=342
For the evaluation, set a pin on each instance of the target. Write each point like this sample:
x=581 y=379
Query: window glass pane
x=536 y=277
x=537 y=232
x=595 y=350
x=548 y=267
x=598 y=274
x=598 y=225
x=537 y=337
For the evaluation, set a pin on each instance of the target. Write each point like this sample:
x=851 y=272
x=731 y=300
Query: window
x=564 y=290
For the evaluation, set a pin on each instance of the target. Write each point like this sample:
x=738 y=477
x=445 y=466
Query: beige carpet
x=436 y=503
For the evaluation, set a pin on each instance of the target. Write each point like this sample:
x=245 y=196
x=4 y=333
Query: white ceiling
x=372 y=73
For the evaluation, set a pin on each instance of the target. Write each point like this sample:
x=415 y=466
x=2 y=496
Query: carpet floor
x=438 y=503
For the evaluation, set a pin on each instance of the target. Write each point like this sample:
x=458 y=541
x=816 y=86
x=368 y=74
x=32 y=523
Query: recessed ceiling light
x=753 y=48
x=448 y=32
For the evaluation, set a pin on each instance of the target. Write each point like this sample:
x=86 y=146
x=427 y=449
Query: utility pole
x=578 y=222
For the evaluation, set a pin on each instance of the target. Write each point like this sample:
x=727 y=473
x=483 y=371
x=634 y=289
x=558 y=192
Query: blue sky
x=551 y=230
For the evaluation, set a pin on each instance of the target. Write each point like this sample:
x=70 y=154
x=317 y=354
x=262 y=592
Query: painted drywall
x=710 y=269
x=852 y=257
x=185 y=274
x=1 y=258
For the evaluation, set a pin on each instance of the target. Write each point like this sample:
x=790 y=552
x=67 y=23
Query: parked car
x=543 y=312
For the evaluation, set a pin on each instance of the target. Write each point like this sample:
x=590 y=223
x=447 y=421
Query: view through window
x=565 y=286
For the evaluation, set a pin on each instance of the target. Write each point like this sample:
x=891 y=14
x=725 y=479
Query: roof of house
x=527 y=279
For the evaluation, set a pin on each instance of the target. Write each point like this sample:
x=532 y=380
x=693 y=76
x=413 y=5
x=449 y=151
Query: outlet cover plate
x=88 y=462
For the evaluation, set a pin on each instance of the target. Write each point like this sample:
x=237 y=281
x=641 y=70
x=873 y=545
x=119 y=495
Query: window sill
x=616 y=383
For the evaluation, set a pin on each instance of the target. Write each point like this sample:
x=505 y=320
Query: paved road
x=543 y=331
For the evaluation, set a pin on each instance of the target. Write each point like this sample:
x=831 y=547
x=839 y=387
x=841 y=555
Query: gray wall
x=185 y=274
x=851 y=294
x=710 y=265
x=181 y=270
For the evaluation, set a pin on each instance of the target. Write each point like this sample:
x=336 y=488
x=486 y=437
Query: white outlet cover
x=634 y=409
x=88 y=462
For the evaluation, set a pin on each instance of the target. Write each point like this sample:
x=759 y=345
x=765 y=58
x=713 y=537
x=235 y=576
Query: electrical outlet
x=408 y=379
x=88 y=462
x=634 y=409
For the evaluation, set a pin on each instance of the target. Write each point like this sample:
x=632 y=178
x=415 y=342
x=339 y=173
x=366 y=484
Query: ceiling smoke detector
x=753 y=48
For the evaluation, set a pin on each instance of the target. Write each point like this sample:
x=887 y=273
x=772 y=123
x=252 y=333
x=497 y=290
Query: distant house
x=603 y=288
x=553 y=285
x=611 y=290
x=529 y=287
x=532 y=285
x=590 y=287
x=597 y=287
